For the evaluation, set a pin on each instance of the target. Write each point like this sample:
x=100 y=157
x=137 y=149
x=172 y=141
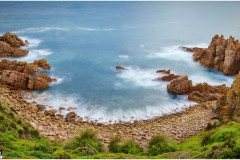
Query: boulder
x=120 y=68
x=15 y=79
x=205 y=87
x=12 y=39
x=25 y=81
x=41 y=107
x=163 y=71
x=180 y=85
x=37 y=83
x=23 y=67
x=169 y=77
x=50 y=112
x=7 y=50
x=71 y=116
x=222 y=55
x=202 y=96
x=42 y=63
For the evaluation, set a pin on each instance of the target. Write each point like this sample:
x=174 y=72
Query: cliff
x=222 y=55
x=229 y=104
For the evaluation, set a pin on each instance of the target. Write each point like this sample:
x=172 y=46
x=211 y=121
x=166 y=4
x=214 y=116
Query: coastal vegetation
x=19 y=140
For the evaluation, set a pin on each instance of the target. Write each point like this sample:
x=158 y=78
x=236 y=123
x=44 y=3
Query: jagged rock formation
x=24 y=67
x=25 y=81
x=10 y=46
x=222 y=55
x=42 y=63
x=180 y=85
x=229 y=104
x=200 y=92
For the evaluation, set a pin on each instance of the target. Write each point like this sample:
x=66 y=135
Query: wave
x=102 y=114
x=140 y=77
x=40 y=29
x=94 y=29
x=34 y=55
x=175 y=53
x=123 y=56
x=46 y=29
x=32 y=42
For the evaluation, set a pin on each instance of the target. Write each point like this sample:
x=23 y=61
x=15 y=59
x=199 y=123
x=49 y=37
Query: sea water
x=84 y=41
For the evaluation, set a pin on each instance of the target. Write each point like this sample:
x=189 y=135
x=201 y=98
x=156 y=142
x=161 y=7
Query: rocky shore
x=18 y=76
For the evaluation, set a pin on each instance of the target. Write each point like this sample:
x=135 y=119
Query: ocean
x=84 y=41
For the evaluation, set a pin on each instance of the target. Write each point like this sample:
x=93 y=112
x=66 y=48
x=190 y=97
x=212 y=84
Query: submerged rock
x=222 y=55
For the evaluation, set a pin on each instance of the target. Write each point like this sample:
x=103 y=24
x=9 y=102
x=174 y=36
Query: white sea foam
x=94 y=29
x=40 y=29
x=58 y=80
x=35 y=54
x=140 y=77
x=46 y=29
x=123 y=56
x=32 y=41
x=100 y=113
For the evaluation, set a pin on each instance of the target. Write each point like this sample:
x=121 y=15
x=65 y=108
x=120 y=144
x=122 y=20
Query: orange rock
x=42 y=63
x=180 y=85
x=120 y=68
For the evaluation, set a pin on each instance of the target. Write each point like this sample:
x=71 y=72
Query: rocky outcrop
x=169 y=77
x=180 y=85
x=38 y=82
x=163 y=71
x=23 y=67
x=42 y=63
x=120 y=68
x=202 y=96
x=229 y=104
x=12 y=39
x=200 y=92
x=222 y=55
x=25 y=81
x=10 y=46
x=205 y=87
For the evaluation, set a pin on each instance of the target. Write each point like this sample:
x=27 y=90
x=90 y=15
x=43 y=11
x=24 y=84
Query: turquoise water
x=84 y=41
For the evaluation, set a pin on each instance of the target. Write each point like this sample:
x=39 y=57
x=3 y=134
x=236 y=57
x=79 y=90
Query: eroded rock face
x=229 y=104
x=15 y=79
x=10 y=46
x=23 y=67
x=169 y=77
x=205 y=87
x=25 y=81
x=42 y=63
x=12 y=39
x=180 y=85
x=202 y=96
x=222 y=55
x=8 y=51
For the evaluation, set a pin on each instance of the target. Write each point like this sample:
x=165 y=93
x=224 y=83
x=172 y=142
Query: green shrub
x=161 y=144
x=118 y=145
x=61 y=154
x=87 y=138
x=227 y=153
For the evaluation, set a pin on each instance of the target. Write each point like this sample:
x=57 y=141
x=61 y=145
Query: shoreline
x=179 y=126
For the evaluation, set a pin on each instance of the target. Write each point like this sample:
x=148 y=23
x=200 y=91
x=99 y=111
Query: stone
x=32 y=107
x=71 y=115
x=169 y=77
x=42 y=63
x=120 y=68
x=50 y=112
x=180 y=85
x=41 y=107
x=38 y=82
x=163 y=71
